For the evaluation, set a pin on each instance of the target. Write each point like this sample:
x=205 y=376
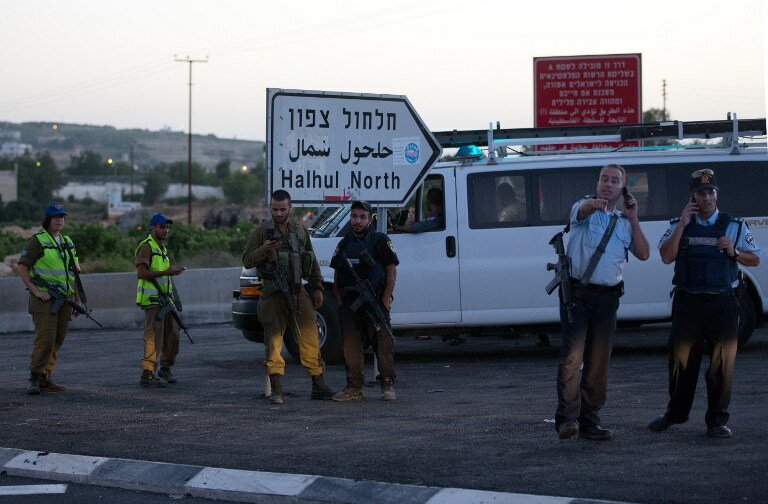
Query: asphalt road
x=476 y=415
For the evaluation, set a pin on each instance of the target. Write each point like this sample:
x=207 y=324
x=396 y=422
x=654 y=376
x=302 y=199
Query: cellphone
x=626 y=197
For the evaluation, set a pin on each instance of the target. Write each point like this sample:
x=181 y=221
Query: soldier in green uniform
x=160 y=336
x=51 y=256
x=282 y=239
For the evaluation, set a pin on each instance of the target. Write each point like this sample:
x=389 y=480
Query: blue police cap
x=159 y=219
x=54 y=209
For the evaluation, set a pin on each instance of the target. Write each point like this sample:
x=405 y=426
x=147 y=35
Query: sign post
x=327 y=147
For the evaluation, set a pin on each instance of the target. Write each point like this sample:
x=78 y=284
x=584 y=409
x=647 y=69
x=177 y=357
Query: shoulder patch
x=750 y=240
x=24 y=252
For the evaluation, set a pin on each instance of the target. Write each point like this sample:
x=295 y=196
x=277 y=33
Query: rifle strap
x=295 y=259
x=78 y=282
x=600 y=250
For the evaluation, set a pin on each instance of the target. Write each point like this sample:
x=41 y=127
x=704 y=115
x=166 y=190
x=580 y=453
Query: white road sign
x=325 y=147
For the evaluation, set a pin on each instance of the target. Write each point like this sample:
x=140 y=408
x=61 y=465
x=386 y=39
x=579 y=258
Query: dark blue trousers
x=588 y=340
x=699 y=322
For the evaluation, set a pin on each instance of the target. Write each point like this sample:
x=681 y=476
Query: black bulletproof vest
x=359 y=252
x=700 y=266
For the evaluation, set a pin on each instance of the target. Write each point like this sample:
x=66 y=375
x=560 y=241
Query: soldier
x=161 y=337
x=707 y=247
x=282 y=240
x=51 y=257
x=597 y=286
x=374 y=259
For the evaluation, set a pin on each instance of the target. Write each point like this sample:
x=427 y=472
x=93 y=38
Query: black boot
x=34 y=384
x=48 y=385
x=277 y=389
x=321 y=391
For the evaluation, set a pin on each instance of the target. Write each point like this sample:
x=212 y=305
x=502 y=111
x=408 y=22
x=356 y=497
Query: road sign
x=325 y=147
x=587 y=91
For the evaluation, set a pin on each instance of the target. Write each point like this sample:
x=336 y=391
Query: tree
x=155 y=184
x=655 y=115
x=38 y=178
x=88 y=163
x=244 y=188
x=178 y=172
x=222 y=169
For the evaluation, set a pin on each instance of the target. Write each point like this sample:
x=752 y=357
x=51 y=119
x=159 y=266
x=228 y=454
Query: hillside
x=150 y=147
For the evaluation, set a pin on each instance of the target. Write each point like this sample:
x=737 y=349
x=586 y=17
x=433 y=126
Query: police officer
x=373 y=258
x=597 y=285
x=283 y=239
x=50 y=256
x=161 y=337
x=707 y=246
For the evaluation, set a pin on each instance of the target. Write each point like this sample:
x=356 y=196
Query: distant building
x=14 y=149
x=9 y=186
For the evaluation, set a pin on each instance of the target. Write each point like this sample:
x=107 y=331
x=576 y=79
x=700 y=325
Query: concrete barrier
x=206 y=295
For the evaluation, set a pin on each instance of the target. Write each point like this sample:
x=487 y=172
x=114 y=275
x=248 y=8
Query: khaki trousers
x=159 y=334
x=274 y=316
x=50 y=330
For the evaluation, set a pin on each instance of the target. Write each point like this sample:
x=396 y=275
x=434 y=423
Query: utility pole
x=189 y=140
x=664 y=98
x=130 y=160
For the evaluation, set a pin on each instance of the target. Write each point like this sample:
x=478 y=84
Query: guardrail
x=206 y=296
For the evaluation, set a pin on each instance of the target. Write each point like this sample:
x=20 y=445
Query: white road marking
x=32 y=489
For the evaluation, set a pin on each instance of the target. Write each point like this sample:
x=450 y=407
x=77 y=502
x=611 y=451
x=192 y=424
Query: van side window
x=497 y=200
x=417 y=215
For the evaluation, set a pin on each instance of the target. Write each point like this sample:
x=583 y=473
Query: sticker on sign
x=331 y=147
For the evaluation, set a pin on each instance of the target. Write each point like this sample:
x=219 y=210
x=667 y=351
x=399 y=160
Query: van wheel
x=328 y=332
x=747 y=319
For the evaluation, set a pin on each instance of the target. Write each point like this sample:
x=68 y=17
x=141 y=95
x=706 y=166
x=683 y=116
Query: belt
x=597 y=287
x=706 y=295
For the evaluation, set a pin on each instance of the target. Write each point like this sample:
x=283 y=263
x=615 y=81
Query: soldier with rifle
x=366 y=270
x=282 y=252
x=601 y=237
x=154 y=293
x=48 y=266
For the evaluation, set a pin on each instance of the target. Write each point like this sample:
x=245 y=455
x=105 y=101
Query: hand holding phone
x=628 y=201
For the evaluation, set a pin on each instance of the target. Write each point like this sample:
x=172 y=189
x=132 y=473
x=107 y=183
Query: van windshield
x=328 y=221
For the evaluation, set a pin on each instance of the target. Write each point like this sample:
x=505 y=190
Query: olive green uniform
x=50 y=328
x=272 y=311
x=159 y=335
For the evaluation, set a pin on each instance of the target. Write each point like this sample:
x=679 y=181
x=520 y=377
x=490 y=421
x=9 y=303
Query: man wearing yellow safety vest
x=160 y=336
x=49 y=256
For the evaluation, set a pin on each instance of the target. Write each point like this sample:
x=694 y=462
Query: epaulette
x=590 y=196
x=622 y=215
x=737 y=219
x=675 y=220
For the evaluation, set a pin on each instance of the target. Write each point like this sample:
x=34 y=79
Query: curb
x=245 y=486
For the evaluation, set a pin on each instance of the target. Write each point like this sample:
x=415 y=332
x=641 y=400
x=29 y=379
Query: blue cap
x=54 y=209
x=159 y=219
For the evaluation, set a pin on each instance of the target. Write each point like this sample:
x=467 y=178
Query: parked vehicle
x=487 y=267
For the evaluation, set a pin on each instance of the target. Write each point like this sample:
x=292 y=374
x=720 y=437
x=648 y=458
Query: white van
x=487 y=266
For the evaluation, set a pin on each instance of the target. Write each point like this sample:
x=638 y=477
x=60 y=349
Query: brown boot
x=387 y=389
x=321 y=391
x=277 y=389
x=47 y=385
x=349 y=394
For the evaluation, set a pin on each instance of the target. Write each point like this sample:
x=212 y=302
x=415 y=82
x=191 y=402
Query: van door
x=427 y=288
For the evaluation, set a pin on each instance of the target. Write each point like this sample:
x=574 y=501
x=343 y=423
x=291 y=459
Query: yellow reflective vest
x=146 y=293
x=58 y=263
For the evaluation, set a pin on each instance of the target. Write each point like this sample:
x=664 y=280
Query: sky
x=462 y=64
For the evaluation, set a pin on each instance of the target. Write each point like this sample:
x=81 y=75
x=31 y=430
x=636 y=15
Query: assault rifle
x=167 y=305
x=60 y=298
x=562 y=274
x=280 y=281
x=366 y=298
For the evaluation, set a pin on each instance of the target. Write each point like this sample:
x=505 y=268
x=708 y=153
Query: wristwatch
x=735 y=253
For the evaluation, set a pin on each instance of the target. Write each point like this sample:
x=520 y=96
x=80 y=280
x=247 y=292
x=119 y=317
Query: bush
x=22 y=212
x=10 y=243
